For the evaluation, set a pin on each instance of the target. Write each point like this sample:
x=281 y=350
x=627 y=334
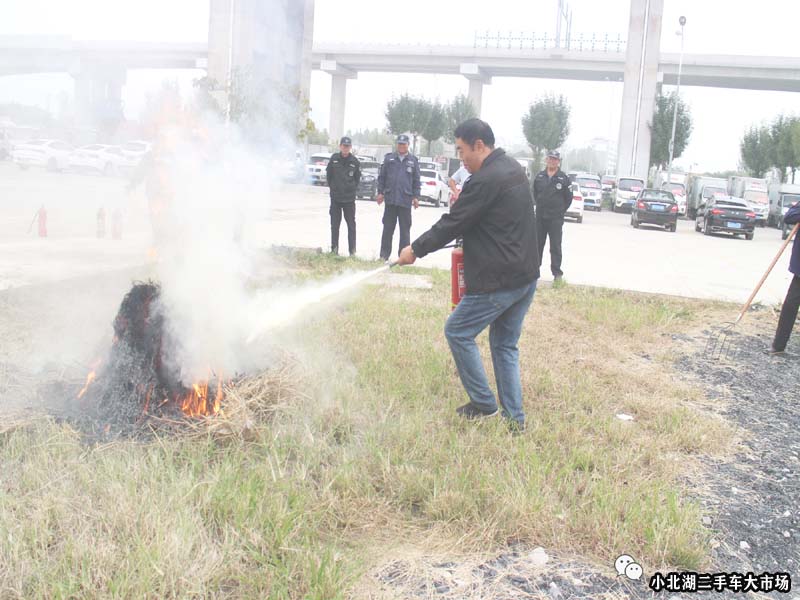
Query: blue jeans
x=504 y=311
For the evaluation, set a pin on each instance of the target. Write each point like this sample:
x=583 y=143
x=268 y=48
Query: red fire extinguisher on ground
x=40 y=218
x=457 y=285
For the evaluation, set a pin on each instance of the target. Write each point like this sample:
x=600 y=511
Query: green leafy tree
x=756 y=151
x=458 y=110
x=795 y=137
x=436 y=124
x=782 y=148
x=400 y=114
x=661 y=129
x=546 y=125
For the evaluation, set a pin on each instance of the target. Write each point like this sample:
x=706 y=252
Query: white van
x=755 y=192
x=627 y=190
x=781 y=198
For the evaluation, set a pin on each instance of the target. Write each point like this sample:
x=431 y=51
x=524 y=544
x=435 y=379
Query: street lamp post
x=682 y=22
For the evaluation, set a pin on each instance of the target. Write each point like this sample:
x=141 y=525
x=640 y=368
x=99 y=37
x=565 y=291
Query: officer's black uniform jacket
x=552 y=195
x=343 y=177
x=494 y=215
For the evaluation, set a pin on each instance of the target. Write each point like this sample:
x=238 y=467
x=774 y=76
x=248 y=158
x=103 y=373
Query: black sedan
x=655 y=207
x=726 y=214
x=368 y=186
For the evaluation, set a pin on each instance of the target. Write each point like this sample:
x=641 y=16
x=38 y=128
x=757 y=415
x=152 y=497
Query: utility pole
x=564 y=14
x=682 y=22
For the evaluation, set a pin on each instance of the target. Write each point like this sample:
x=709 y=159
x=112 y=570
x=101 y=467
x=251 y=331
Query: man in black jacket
x=344 y=173
x=552 y=194
x=494 y=215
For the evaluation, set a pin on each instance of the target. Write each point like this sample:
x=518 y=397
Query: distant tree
x=458 y=110
x=661 y=129
x=436 y=124
x=782 y=148
x=546 y=125
x=374 y=137
x=400 y=114
x=795 y=137
x=756 y=151
x=416 y=116
x=314 y=136
x=722 y=174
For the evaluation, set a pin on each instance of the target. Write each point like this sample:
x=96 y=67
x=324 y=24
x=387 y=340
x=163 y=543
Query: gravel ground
x=754 y=504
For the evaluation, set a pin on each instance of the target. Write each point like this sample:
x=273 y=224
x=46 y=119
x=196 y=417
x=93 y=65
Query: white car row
x=56 y=155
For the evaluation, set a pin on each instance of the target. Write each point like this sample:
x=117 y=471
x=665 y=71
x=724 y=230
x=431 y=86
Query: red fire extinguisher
x=40 y=218
x=457 y=285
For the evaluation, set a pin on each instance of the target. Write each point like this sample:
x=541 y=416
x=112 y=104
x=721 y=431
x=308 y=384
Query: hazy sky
x=714 y=26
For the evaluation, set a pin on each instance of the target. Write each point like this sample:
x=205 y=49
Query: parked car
x=434 y=188
x=368 y=186
x=678 y=191
x=5 y=145
x=134 y=151
x=591 y=190
x=575 y=210
x=609 y=182
x=52 y=154
x=655 y=207
x=627 y=190
x=725 y=214
x=315 y=169
x=99 y=158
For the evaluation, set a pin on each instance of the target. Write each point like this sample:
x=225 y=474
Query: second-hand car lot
x=604 y=250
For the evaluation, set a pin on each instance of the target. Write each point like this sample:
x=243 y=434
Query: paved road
x=604 y=250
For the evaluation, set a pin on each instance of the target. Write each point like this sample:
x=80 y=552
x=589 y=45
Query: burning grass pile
x=138 y=389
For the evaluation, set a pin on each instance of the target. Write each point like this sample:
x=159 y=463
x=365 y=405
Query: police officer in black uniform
x=399 y=185
x=344 y=173
x=552 y=195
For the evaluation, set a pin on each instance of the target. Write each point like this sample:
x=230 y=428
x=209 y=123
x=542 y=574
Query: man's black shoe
x=516 y=427
x=470 y=411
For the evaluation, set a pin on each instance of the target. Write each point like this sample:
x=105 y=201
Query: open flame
x=90 y=377
x=198 y=403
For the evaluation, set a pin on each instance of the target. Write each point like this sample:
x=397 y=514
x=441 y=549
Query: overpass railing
x=582 y=42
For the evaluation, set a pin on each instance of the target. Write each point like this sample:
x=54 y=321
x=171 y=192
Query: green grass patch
x=371 y=456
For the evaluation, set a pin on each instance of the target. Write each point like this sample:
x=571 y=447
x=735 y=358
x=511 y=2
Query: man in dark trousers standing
x=552 y=194
x=792 y=302
x=344 y=173
x=494 y=216
x=398 y=184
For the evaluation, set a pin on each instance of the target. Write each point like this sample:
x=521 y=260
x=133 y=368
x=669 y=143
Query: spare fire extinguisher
x=458 y=287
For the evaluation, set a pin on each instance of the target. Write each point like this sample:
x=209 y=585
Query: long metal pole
x=675 y=115
x=231 y=29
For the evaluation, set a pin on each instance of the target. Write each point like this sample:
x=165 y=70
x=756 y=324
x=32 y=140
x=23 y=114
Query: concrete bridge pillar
x=98 y=94
x=477 y=78
x=639 y=90
x=339 y=76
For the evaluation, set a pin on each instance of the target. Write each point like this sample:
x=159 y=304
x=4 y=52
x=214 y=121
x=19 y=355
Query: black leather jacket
x=494 y=215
